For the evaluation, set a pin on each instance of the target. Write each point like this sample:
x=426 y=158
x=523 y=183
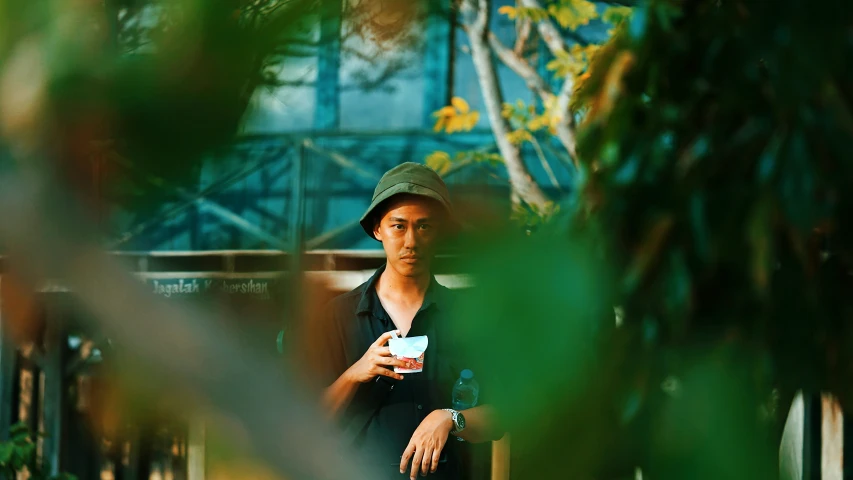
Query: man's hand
x=427 y=443
x=374 y=361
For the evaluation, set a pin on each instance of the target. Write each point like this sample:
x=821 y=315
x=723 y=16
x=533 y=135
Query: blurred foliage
x=716 y=150
x=574 y=62
x=524 y=13
x=159 y=85
x=569 y=14
x=525 y=118
x=710 y=205
x=573 y=13
x=532 y=217
x=19 y=455
x=442 y=162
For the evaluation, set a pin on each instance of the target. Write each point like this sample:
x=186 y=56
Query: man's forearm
x=481 y=425
x=338 y=395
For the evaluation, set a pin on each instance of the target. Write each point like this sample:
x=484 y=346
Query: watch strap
x=454 y=415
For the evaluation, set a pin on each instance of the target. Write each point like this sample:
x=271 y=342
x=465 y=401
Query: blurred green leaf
x=616 y=14
x=711 y=428
x=548 y=318
x=20 y=432
x=6 y=449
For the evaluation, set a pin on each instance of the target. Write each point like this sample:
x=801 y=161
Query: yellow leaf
x=456 y=117
x=537 y=123
x=460 y=104
x=439 y=124
x=470 y=120
x=445 y=112
x=509 y=11
x=531 y=13
x=507 y=110
x=439 y=161
x=452 y=124
x=561 y=65
x=519 y=136
x=573 y=13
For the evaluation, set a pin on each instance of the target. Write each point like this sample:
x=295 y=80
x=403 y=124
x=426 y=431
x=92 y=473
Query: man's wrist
x=348 y=377
x=448 y=419
x=457 y=421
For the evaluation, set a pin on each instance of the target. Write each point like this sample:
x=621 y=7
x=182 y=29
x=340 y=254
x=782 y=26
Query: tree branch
x=522 y=36
x=523 y=186
x=544 y=161
x=552 y=37
x=519 y=65
x=565 y=125
x=547 y=30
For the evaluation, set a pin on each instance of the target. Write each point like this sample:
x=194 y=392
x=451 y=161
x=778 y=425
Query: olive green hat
x=414 y=179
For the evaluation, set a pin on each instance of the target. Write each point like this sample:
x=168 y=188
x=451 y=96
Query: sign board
x=182 y=287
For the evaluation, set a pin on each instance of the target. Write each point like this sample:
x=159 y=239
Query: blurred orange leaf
x=19 y=307
x=602 y=104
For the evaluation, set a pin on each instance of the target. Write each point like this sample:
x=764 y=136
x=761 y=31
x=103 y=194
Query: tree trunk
x=522 y=183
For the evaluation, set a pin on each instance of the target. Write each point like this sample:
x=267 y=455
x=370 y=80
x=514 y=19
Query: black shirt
x=355 y=320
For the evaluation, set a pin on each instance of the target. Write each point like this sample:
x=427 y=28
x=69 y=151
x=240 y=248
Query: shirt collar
x=370 y=299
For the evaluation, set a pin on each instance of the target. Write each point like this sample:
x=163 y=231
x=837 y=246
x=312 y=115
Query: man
x=406 y=416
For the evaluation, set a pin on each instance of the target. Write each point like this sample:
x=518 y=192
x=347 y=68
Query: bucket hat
x=413 y=179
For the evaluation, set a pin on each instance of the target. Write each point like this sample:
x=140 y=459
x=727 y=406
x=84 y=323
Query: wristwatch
x=458 y=421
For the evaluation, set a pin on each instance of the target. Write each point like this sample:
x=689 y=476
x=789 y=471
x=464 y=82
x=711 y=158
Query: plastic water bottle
x=466 y=391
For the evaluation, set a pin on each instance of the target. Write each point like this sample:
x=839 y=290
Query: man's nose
x=411 y=238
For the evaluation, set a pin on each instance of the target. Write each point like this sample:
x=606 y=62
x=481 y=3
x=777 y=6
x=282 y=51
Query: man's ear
x=376 y=233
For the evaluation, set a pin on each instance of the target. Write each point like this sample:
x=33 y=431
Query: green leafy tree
x=712 y=207
x=546 y=125
x=19 y=454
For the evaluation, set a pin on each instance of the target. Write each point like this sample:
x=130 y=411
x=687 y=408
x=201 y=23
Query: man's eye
x=398 y=227
x=425 y=227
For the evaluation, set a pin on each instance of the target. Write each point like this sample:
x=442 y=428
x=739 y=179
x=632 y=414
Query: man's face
x=409 y=230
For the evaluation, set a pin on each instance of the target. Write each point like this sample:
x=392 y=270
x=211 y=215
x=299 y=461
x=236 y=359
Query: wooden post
x=8 y=357
x=500 y=458
x=195 y=450
x=128 y=468
x=792 y=446
x=54 y=373
x=832 y=439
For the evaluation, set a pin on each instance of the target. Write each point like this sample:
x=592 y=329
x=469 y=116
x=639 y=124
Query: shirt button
x=420 y=407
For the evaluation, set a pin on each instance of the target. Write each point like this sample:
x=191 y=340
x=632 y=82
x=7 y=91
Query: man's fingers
x=407 y=454
x=436 y=456
x=426 y=462
x=388 y=373
x=383 y=339
x=416 y=463
x=383 y=351
x=390 y=361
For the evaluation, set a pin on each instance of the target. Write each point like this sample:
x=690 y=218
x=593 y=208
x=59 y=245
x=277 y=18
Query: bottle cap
x=466 y=374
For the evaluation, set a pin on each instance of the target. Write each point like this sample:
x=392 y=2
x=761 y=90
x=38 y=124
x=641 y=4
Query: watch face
x=460 y=421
